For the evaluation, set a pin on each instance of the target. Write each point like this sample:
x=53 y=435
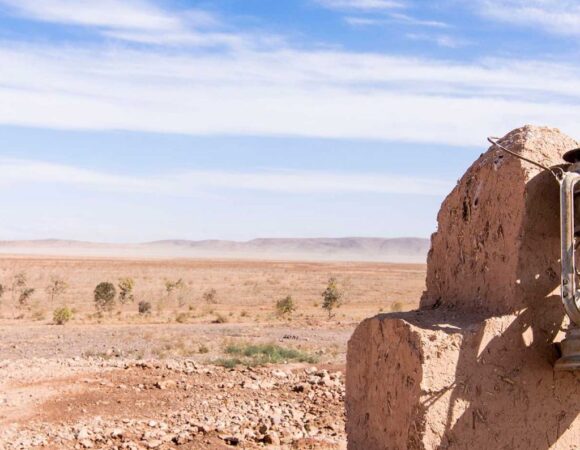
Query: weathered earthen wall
x=473 y=368
x=453 y=381
x=497 y=240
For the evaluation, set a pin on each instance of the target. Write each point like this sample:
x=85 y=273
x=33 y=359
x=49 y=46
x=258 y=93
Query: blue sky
x=138 y=120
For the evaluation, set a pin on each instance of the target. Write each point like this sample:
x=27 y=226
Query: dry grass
x=245 y=291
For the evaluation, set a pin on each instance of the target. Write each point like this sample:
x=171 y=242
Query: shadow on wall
x=515 y=398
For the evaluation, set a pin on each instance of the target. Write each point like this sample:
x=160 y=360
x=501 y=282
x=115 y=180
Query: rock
x=83 y=434
x=166 y=384
x=272 y=438
x=87 y=443
x=154 y=443
x=279 y=374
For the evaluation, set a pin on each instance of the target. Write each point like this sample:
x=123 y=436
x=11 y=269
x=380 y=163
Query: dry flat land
x=211 y=366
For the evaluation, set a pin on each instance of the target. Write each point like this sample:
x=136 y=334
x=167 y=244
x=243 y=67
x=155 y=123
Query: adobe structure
x=473 y=367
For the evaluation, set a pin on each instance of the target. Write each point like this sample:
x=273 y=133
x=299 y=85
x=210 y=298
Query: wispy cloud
x=282 y=92
x=130 y=20
x=193 y=182
x=442 y=40
x=363 y=5
x=393 y=18
x=555 y=16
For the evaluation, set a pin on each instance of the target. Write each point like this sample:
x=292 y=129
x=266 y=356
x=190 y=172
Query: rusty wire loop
x=557 y=172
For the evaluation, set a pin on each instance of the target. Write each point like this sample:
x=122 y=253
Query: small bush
x=126 y=287
x=145 y=308
x=104 y=295
x=331 y=297
x=203 y=349
x=285 y=307
x=220 y=318
x=210 y=296
x=182 y=318
x=397 y=307
x=171 y=286
x=62 y=315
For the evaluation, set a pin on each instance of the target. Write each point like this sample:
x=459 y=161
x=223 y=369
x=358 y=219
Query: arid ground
x=211 y=365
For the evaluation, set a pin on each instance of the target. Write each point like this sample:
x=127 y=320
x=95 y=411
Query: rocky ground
x=135 y=404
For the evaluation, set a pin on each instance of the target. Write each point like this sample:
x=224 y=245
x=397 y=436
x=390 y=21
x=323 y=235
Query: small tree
x=126 y=286
x=105 y=294
x=2 y=290
x=56 y=288
x=62 y=315
x=210 y=296
x=19 y=283
x=24 y=296
x=331 y=297
x=285 y=307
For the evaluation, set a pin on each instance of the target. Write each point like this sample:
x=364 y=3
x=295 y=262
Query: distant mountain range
x=340 y=249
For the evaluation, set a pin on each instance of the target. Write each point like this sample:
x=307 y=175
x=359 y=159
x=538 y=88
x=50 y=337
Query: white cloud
x=364 y=5
x=129 y=20
x=555 y=16
x=283 y=92
x=193 y=182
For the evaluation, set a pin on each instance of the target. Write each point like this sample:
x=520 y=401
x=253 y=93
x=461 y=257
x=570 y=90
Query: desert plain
x=211 y=363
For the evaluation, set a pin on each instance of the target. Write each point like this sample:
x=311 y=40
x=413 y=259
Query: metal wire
x=556 y=172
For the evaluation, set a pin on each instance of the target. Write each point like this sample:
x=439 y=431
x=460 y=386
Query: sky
x=140 y=120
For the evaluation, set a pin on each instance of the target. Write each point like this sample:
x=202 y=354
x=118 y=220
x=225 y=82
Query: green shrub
x=285 y=307
x=126 y=286
x=104 y=295
x=331 y=297
x=61 y=316
x=144 y=308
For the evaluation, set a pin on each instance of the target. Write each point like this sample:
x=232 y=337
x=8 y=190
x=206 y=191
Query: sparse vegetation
x=210 y=296
x=285 y=307
x=126 y=287
x=261 y=354
x=104 y=296
x=62 y=315
x=20 y=290
x=56 y=288
x=171 y=286
x=397 y=306
x=220 y=318
x=182 y=317
x=24 y=297
x=331 y=297
x=144 y=308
